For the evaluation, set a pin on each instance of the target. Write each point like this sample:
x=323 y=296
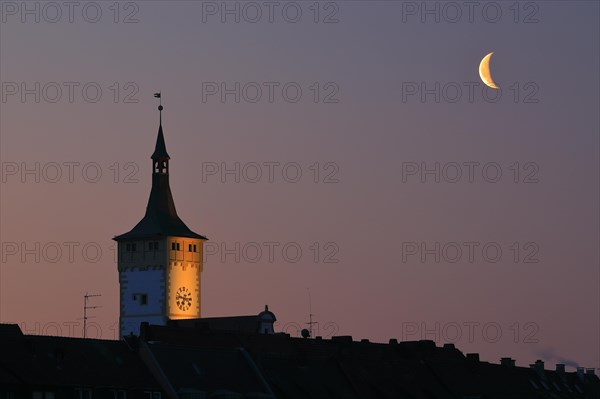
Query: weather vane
x=157 y=95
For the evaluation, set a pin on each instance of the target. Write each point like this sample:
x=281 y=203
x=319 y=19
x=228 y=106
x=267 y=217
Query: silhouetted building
x=168 y=351
x=160 y=259
x=263 y=323
x=189 y=362
x=44 y=367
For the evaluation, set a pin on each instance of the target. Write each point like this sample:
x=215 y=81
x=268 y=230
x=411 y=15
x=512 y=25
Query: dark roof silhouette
x=249 y=324
x=161 y=216
x=31 y=360
x=343 y=368
x=197 y=370
x=187 y=362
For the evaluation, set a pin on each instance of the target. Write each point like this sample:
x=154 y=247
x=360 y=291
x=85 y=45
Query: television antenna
x=310 y=315
x=85 y=309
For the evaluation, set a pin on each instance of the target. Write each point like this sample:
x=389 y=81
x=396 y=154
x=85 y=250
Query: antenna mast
x=85 y=308
x=310 y=315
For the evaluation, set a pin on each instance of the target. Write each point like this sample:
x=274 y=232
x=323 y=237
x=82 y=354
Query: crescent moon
x=484 y=72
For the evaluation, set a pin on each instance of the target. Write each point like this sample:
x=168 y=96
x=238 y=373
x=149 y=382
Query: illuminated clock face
x=183 y=298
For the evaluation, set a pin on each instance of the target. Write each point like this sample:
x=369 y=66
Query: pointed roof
x=161 y=217
x=160 y=150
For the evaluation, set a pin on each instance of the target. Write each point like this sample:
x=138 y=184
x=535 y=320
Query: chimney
x=393 y=341
x=580 y=371
x=560 y=369
x=507 y=362
x=449 y=346
x=590 y=371
x=473 y=358
x=539 y=365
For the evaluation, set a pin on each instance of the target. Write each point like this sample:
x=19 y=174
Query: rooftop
x=192 y=360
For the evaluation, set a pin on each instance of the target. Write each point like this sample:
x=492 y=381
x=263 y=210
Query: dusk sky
x=424 y=206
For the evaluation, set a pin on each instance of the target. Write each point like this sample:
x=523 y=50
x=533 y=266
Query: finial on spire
x=160 y=151
x=160 y=107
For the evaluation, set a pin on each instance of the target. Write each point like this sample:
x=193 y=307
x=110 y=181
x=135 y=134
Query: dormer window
x=130 y=247
x=175 y=246
x=153 y=246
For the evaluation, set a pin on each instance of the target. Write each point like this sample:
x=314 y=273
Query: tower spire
x=160 y=157
x=161 y=217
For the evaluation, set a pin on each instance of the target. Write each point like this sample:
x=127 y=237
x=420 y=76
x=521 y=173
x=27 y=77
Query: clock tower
x=160 y=259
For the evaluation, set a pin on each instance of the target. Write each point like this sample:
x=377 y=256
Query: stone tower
x=160 y=259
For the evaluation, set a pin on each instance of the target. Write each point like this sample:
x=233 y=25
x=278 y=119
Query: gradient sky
x=545 y=310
